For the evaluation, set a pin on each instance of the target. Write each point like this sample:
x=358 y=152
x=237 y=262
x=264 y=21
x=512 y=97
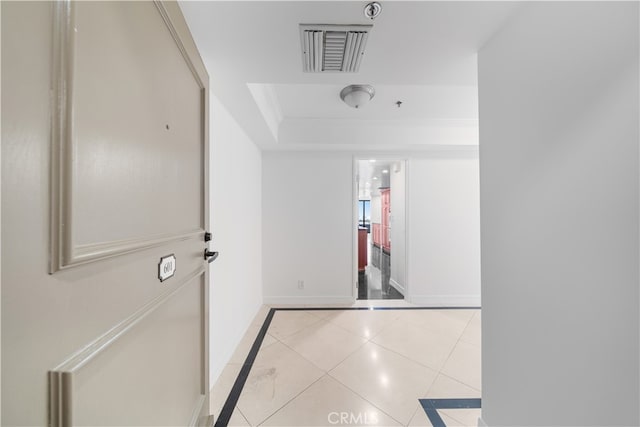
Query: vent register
x=333 y=48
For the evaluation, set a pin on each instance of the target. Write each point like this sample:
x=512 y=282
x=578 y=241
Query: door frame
x=354 y=217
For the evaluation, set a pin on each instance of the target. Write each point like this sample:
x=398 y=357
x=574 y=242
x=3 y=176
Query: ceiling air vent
x=333 y=48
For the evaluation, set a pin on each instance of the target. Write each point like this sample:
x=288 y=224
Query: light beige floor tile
x=222 y=387
x=438 y=321
x=461 y=417
x=287 y=323
x=328 y=402
x=278 y=375
x=391 y=382
x=242 y=350
x=324 y=344
x=237 y=419
x=267 y=341
x=419 y=419
x=244 y=346
x=445 y=387
x=461 y=314
x=261 y=315
x=464 y=365
x=324 y=314
x=328 y=315
x=448 y=388
x=449 y=422
x=472 y=334
x=366 y=323
x=417 y=343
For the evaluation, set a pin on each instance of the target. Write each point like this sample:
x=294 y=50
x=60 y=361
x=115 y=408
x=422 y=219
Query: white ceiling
x=420 y=53
x=418 y=102
x=372 y=176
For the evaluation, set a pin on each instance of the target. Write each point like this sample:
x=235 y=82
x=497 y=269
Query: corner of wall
x=236 y=224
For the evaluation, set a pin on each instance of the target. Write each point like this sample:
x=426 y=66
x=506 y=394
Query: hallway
x=353 y=365
x=141 y=141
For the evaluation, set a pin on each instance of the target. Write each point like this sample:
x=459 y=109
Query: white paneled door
x=104 y=212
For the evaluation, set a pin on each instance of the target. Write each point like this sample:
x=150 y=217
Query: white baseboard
x=481 y=423
x=398 y=286
x=308 y=300
x=445 y=300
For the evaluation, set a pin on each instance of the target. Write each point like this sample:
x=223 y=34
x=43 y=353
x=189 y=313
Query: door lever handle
x=210 y=256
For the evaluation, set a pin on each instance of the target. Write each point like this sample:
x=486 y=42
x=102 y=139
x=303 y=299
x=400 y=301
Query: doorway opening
x=380 y=228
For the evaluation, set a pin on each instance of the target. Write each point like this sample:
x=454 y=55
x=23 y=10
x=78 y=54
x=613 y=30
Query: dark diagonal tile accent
x=431 y=407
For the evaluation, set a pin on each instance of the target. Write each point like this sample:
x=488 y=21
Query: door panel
x=126 y=55
x=129 y=135
x=95 y=193
x=136 y=367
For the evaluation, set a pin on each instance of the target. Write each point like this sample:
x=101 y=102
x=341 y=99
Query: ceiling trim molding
x=266 y=99
x=417 y=122
x=368 y=151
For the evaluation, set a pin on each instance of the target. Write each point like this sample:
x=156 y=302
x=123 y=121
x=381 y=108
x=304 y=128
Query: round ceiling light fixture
x=372 y=10
x=357 y=95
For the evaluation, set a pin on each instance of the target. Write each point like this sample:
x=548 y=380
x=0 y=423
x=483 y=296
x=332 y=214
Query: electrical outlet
x=300 y=284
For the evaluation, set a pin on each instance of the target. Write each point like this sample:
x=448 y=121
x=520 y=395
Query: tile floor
x=355 y=367
x=370 y=286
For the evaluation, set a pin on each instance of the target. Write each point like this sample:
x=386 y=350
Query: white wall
x=236 y=225
x=559 y=193
x=308 y=220
x=444 y=229
x=307 y=227
x=398 y=226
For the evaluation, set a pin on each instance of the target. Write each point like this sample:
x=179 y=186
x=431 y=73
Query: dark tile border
x=241 y=379
x=238 y=385
x=431 y=407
